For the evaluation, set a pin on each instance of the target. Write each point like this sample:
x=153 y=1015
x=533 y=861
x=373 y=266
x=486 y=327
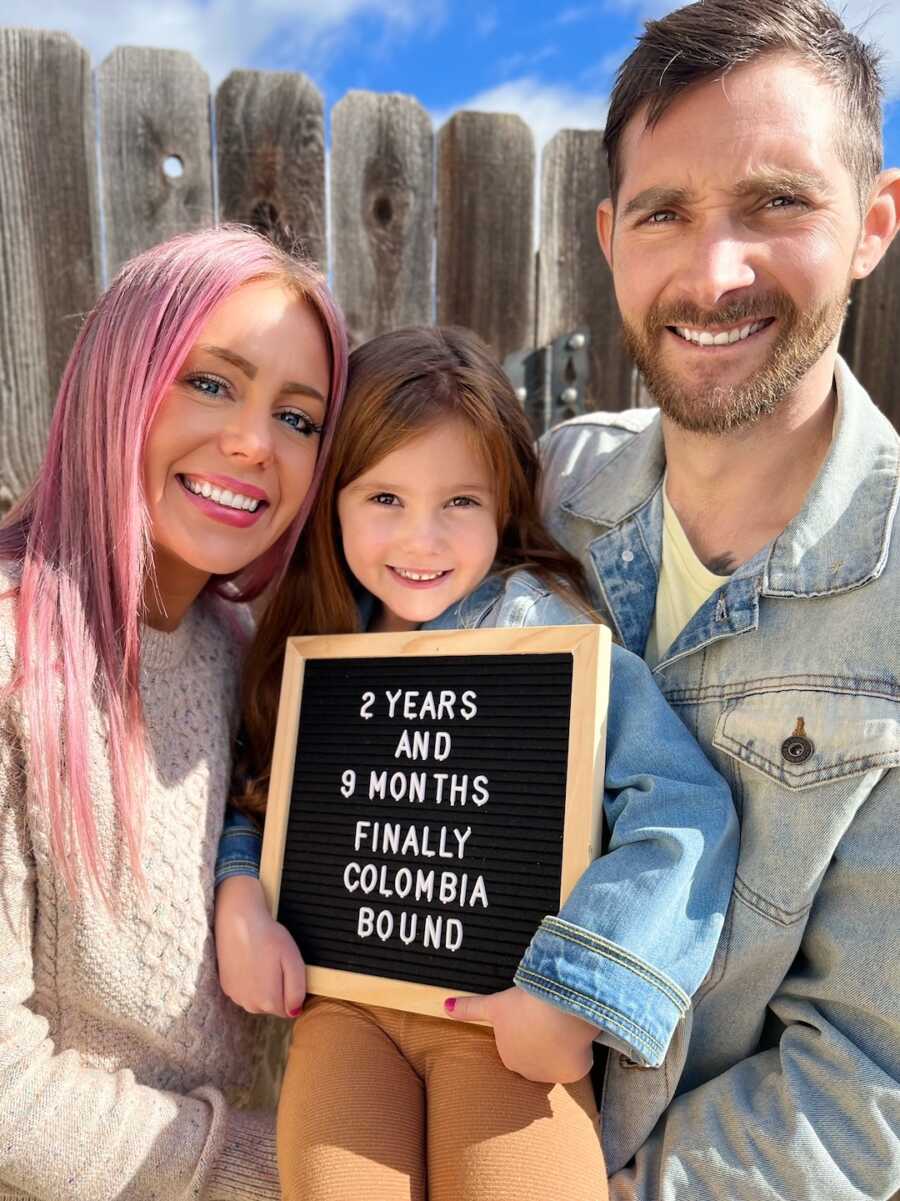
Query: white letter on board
x=359 y=836
x=459 y=789
x=432 y=934
x=385 y=925
x=348 y=782
x=417 y=787
x=392 y=698
x=366 y=922
x=479 y=893
x=424 y=885
x=448 y=889
x=442 y=745
x=403 y=883
x=408 y=925
x=480 y=794
x=454 y=934
x=377 y=785
x=368 y=702
x=469 y=709
x=348 y=872
x=403 y=747
x=461 y=838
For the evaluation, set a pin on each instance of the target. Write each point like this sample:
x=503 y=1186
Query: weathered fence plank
x=871 y=341
x=382 y=211
x=48 y=271
x=485 y=259
x=574 y=283
x=154 y=108
x=270 y=139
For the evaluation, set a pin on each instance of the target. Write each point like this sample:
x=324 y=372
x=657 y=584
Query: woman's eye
x=296 y=420
x=208 y=385
x=462 y=502
x=385 y=498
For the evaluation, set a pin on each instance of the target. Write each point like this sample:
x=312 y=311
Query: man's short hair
x=708 y=39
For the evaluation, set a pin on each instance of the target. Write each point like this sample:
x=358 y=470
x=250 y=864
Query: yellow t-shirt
x=684 y=585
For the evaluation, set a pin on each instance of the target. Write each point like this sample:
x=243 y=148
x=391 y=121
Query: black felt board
x=518 y=740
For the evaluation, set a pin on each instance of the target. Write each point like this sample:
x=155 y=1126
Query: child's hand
x=260 y=966
x=533 y=1038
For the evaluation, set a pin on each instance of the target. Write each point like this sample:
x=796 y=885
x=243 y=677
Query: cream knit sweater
x=117 y=1047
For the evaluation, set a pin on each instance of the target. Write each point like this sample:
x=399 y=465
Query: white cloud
x=222 y=34
x=546 y=107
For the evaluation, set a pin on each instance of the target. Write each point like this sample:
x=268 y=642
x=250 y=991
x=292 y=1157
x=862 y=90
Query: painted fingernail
x=295 y=1013
x=450 y=1004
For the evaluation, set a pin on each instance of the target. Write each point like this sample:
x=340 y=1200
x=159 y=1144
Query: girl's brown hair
x=399 y=385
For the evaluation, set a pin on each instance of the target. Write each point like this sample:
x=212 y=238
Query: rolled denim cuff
x=240 y=848
x=635 y=1006
x=236 y=867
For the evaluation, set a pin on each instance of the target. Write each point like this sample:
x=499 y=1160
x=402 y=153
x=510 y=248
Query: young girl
x=190 y=426
x=429 y=517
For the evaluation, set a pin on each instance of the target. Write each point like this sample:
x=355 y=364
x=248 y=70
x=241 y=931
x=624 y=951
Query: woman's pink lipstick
x=239 y=518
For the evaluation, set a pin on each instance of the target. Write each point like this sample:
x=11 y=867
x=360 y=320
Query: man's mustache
x=750 y=308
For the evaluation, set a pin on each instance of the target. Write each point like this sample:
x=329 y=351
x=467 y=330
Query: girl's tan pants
x=379 y=1105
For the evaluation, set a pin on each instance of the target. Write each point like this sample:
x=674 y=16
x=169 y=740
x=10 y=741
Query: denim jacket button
x=797 y=748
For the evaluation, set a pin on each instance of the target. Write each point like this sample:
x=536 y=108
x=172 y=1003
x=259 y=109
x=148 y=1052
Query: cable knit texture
x=120 y=1058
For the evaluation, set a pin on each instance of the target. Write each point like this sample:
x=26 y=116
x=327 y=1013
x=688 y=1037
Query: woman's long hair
x=78 y=543
x=399 y=385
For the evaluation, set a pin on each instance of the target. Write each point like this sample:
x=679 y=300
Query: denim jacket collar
x=839 y=539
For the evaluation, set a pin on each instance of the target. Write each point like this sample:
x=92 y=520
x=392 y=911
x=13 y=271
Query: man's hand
x=260 y=966
x=533 y=1038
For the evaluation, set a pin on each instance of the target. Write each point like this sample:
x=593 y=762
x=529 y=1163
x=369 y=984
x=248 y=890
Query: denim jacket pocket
x=802 y=761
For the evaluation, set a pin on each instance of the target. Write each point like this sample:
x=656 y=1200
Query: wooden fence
x=423 y=225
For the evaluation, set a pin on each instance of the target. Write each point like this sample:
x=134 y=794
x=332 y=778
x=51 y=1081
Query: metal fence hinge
x=552 y=381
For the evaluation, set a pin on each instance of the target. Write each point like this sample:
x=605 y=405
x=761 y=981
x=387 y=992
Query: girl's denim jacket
x=639 y=931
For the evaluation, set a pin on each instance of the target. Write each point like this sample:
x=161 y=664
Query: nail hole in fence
x=173 y=167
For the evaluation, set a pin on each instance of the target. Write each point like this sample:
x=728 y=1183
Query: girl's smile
x=419 y=578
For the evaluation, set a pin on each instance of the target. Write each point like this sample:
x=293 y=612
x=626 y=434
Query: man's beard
x=711 y=408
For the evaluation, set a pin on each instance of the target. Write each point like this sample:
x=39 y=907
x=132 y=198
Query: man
x=744 y=539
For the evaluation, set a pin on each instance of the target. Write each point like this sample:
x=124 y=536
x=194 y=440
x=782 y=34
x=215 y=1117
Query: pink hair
x=79 y=540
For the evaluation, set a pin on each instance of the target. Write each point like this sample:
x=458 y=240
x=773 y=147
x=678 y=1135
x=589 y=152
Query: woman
x=192 y=424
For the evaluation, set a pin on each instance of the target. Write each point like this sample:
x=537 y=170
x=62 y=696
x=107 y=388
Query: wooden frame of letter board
x=589 y=646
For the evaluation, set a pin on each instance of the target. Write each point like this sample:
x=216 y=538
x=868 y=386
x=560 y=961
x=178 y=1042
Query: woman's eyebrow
x=303 y=390
x=250 y=370
x=236 y=360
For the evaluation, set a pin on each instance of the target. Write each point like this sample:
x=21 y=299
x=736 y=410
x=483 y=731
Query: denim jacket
x=638 y=933
x=788 y=1087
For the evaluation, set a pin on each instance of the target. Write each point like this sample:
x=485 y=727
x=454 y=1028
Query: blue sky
x=551 y=63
